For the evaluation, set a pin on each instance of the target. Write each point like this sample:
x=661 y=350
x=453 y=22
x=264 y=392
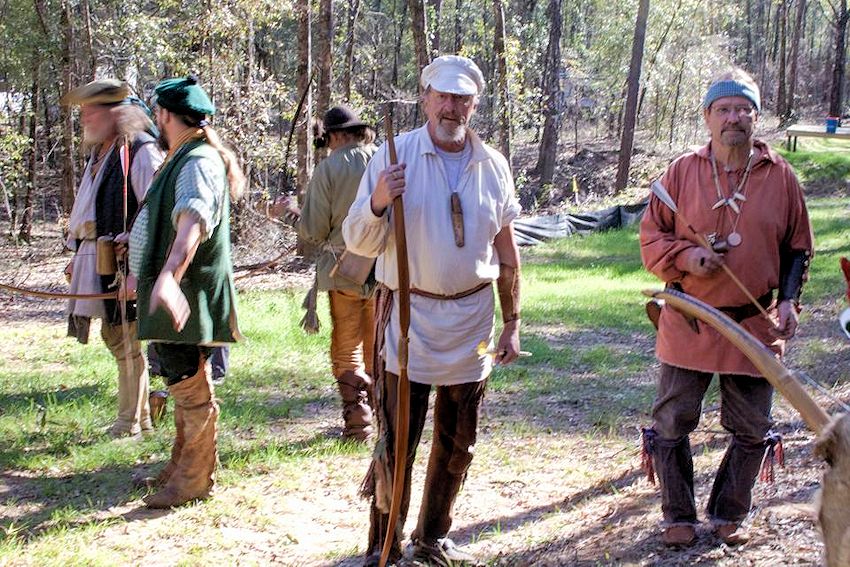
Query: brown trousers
x=744 y=412
x=456 y=411
x=352 y=336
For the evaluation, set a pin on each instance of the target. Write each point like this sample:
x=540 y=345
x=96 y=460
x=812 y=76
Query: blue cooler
x=832 y=124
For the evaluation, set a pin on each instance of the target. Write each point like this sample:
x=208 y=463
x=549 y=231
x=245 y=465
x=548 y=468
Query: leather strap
x=459 y=295
x=747 y=310
x=508 y=286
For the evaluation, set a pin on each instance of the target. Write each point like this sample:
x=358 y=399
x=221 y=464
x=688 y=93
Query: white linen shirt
x=443 y=334
x=81 y=226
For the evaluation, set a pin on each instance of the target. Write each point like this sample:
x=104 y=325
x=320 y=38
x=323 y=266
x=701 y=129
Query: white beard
x=92 y=138
x=455 y=136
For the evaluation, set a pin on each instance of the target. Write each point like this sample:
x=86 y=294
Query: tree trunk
x=836 y=90
x=420 y=33
x=438 y=18
x=25 y=232
x=782 y=27
x=548 y=152
x=763 y=18
x=458 y=26
x=795 y=53
x=324 y=70
x=504 y=102
x=92 y=71
x=69 y=173
x=252 y=53
x=353 y=12
x=676 y=102
x=629 y=119
x=661 y=43
x=325 y=63
x=749 y=34
x=302 y=120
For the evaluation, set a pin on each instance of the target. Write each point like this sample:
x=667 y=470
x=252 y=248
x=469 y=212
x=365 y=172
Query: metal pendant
x=720 y=246
x=734 y=239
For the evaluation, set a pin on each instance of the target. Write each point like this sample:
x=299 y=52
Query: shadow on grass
x=60 y=503
x=10 y=403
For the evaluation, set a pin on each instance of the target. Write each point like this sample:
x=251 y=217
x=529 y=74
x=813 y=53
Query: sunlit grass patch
x=821 y=159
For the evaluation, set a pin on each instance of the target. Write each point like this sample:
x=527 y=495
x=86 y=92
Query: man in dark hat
x=329 y=196
x=111 y=121
x=180 y=252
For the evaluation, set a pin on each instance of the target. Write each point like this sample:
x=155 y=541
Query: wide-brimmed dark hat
x=341 y=118
x=103 y=91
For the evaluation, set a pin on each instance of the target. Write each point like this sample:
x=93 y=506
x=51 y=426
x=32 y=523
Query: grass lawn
x=587 y=388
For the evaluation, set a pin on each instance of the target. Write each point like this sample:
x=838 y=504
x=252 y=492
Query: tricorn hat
x=102 y=91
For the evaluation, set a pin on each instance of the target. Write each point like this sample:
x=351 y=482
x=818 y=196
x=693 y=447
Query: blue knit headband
x=722 y=89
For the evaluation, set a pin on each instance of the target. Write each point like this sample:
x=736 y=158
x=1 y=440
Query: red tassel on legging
x=647 y=448
x=774 y=452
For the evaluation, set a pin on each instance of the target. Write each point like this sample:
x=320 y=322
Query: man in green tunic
x=180 y=253
x=331 y=191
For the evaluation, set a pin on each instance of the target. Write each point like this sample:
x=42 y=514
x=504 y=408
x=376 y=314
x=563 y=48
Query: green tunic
x=208 y=281
x=332 y=189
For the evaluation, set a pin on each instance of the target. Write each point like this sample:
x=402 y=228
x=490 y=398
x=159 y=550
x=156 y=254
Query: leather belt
x=748 y=310
x=459 y=295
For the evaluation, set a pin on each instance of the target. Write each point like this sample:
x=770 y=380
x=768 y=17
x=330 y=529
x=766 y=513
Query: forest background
x=565 y=79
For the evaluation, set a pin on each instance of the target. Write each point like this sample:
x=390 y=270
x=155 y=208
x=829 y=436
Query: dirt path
x=555 y=481
x=547 y=487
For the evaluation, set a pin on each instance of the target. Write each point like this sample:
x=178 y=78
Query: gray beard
x=91 y=139
x=445 y=136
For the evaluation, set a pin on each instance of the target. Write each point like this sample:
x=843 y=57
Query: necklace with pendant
x=734 y=238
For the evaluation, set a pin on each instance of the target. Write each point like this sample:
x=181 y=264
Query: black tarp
x=535 y=230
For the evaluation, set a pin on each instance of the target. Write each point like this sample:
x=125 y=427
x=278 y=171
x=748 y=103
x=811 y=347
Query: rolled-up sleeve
x=200 y=192
x=364 y=233
x=511 y=208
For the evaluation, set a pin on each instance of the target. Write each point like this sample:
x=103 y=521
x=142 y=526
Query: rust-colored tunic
x=772 y=219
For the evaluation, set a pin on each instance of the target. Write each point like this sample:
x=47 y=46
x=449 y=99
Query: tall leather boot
x=356 y=411
x=163 y=476
x=193 y=475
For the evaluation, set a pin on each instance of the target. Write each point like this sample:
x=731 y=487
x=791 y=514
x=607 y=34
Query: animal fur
x=833 y=446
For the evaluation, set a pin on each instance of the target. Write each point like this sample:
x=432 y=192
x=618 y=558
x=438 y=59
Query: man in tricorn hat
x=180 y=253
x=459 y=206
x=329 y=195
x=745 y=199
x=111 y=120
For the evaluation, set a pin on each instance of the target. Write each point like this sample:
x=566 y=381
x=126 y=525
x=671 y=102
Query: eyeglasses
x=739 y=110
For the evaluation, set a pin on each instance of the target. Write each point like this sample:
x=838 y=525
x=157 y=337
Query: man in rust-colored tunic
x=746 y=200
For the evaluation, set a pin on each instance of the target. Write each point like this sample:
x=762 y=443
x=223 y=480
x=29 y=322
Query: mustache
x=459 y=119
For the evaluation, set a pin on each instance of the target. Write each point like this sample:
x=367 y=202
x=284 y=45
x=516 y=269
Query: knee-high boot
x=192 y=474
x=356 y=411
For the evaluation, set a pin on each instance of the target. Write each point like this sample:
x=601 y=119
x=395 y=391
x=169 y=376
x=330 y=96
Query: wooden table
x=812 y=132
